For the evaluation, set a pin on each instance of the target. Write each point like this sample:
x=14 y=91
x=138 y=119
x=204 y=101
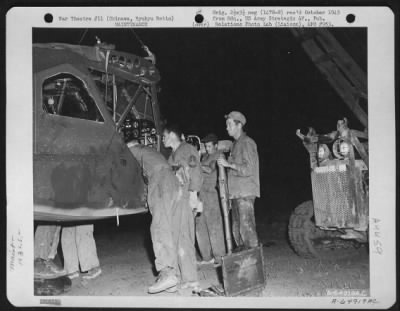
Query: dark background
x=264 y=73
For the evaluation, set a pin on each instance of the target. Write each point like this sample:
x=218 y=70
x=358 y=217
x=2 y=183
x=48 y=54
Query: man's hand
x=206 y=169
x=298 y=133
x=221 y=161
x=194 y=203
x=199 y=209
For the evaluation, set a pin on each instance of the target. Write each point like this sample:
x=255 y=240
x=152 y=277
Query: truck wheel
x=304 y=236
x=309 y=241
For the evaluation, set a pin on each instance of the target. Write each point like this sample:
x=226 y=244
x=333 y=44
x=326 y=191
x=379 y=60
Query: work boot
x=47 y=269
x=217 y=261
x=206 y=262
x=172 y=289
x=73 y=275
x=191 y=285
x=92 y=273
x=165 y=280
x=54 y=267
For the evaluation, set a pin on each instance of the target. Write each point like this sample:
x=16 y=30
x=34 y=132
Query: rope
x=150 y=56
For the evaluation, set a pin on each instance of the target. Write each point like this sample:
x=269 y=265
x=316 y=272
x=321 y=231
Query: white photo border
x=19 y=161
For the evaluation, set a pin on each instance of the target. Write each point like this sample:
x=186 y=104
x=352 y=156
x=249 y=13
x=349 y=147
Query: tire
x=303 y=233
x=309 y=241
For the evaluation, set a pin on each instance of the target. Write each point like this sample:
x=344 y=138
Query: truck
x=337 y=216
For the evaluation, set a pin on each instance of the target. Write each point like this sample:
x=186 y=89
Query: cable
x=84 y=33
x=150 y=56
x=137 y=37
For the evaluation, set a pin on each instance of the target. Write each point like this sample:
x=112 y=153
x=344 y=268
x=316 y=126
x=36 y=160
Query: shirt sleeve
x=249 y=156
x=135 y=152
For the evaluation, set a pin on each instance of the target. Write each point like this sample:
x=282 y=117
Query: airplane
x=88 y=102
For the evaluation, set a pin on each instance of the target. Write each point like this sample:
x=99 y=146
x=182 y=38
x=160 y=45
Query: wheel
x=307 y=240
x=301 y=230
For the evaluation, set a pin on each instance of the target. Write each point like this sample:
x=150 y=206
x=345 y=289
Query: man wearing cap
x=185 y=162
x=243 y=180
x=209 y=225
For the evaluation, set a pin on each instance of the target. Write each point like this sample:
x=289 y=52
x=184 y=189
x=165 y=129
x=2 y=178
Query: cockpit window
x=118 y=93
x=66 y=95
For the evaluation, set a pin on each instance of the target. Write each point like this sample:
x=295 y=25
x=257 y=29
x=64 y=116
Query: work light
x=321 y=152
x=344 y=148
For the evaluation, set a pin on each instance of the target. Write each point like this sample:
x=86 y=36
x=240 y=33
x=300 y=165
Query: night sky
x=264 y=73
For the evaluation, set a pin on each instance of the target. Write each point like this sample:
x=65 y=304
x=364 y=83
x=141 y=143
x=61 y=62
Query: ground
x=126 y=260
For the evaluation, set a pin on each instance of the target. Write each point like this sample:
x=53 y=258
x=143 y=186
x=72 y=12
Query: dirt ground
x=127 y=263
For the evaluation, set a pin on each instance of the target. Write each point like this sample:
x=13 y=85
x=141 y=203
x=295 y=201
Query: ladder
x=339 y=68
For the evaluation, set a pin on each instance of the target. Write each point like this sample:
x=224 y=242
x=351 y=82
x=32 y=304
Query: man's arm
x=249 y=157
x=206 y=169
x=210 y=167
x=195 y=174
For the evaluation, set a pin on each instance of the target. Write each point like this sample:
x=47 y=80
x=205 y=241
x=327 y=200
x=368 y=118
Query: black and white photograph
x=202 y=162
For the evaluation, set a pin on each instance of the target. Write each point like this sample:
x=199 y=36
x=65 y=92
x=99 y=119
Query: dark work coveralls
x=186 y=162
x=209 y=225
x=162 y=196
x=244 y=187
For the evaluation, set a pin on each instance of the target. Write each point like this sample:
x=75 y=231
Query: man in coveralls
x=243 y=181
x=185 y=161
x=209 y=225
x=162 y=195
